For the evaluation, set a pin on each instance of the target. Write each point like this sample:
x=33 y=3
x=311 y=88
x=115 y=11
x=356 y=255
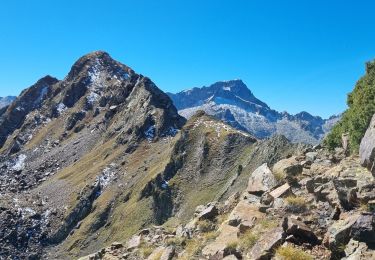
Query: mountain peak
x=222 y=92
x=94 y=62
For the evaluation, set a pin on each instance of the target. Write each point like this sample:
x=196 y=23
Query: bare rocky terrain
x=100 y=165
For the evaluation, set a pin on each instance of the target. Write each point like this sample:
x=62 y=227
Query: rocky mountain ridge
x=232 y=102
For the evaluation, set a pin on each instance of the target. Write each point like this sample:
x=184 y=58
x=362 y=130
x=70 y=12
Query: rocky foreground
x=316 y=205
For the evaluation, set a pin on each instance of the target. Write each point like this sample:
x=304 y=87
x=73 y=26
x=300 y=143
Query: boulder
x=300 y=231
x=133 y=243
x=261 y=180
x=219 y=247
x=263 y=248
x=289 y=168
x=367 y=147
x=346 y=189
x=363 y=229
x=244 y=216
x=339 y=232
x=208 y=213
x=311 y=156
x=354 y=249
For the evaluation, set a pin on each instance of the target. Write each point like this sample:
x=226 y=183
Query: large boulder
x=244 y=216
x=209 y=213
x=288 y=168
x=261 y=180
x=300 y=231
x=338 y=233
x=363 y=229
x=218 y=249
x=367 y=147
x=264 y=247
x=355 y=250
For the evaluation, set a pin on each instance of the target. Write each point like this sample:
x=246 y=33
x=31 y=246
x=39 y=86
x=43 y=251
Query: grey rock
x=263 y=248
x=261 y=180
x=363 y=229
x=208 y=213
x=367 y=147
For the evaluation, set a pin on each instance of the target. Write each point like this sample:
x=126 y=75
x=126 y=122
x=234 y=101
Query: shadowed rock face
x=367 y=147
x=232 y=102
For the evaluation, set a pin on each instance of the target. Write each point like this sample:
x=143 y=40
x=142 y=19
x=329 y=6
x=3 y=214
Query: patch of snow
x=61 y=108
x=227 y=88
x=105 y=177
x=42 y=93
x=150 y=133
x=94 y=71
x=20 y=163
x=92 y=97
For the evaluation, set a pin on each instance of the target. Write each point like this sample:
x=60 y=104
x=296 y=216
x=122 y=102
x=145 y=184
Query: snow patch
x=94 y=71
x=20 y=163
x=61 y=108
x=42 y=93
x=92 y=97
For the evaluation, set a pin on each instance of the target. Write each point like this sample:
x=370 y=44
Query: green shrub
x=356 y=118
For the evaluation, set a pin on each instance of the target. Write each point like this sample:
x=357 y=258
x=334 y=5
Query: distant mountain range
x=5 y=101
x=232 y=102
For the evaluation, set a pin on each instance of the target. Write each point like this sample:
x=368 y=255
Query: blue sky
x=294 y=55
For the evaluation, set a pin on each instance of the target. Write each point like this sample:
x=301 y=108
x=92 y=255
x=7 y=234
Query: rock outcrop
x=367 y=147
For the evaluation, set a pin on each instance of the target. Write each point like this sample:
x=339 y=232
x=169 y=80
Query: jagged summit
x=234 y=103
x=95 y=62
x=96 y=86
x=219 y=92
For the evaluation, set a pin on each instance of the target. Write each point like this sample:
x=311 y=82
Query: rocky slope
x=316 y=205
x=232 y=102
x=5 y=101
x=95 y=157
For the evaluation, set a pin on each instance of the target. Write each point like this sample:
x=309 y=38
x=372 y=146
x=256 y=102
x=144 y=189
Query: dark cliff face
x=234 y=103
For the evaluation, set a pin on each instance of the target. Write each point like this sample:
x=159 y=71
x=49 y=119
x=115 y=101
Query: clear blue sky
x=294 y=55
